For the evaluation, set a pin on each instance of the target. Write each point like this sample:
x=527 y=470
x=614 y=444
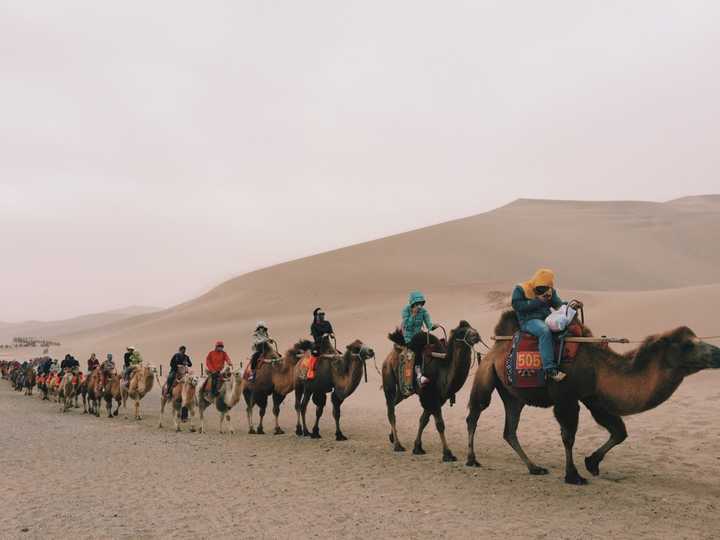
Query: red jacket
x=216 y=360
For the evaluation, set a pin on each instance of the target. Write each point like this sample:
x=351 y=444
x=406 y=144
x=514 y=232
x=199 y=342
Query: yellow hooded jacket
x=525 y=302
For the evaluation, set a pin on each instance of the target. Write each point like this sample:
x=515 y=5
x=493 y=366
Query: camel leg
x=298 y=410
x=320 y=400
x=117 y=406
x=277 y=401
x=162 y=410
x=390 y=402
x=513 y=410
x=337 y=402
x=479 y=401
x=424 y=420
x=303 y=410
x=567 y=414
x=201 y=408
x=191 y=415
x=249 y=411
x=137 y=410
x=440 y=426
x=618 y=433
x=177 y=417
x=262 y=408
x=231 y=431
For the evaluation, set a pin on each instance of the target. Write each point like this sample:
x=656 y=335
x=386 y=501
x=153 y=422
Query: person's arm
x=427 y=320
x=556 y=302
x=521 y=304
x=331 y=328
x=189 y=362
x=314 y=332
x=227 y=359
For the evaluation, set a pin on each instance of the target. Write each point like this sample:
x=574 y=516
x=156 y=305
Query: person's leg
x=540 y=330
x=170 y=381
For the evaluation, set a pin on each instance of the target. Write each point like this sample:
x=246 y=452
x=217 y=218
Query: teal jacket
x=528 y=310
x=413 y=324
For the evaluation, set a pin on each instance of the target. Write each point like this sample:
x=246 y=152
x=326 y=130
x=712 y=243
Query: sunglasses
x=541 y=290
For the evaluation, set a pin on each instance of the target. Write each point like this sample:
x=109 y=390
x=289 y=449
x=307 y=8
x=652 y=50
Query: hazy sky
x=149 y=150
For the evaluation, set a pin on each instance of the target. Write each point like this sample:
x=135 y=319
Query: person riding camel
x=92 y=363
x=531 y=302
x=260 y=338
x=320 y=326
x=414 y=318
x=107 y=368
x=132 y=362
x=69 y=363
x=215 y=362
x=178 y=359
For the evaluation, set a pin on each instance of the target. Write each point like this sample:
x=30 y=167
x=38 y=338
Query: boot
x=556 y=375
x=421 y=379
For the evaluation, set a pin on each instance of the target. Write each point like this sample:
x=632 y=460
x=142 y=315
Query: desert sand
x=640 y=267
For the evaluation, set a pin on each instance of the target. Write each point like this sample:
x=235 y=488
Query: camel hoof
x=448 y=457
x=306 y=433
x=392 y=439
x=575 y=480
x=177 y=429
x=399 y=447
x=472 y=462
x=592 y=466
x=116 y=413
x=315 y=435
x=279 y=431
x=418 y=450
x=251 y=431
x=340 y=437
x=159 y=426
x=538 y=471
x=192 y=430
x=260 y=431
x=298 y=431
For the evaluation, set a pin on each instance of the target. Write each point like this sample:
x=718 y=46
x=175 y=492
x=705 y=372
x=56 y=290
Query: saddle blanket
x=524 y=363
x=406 y=372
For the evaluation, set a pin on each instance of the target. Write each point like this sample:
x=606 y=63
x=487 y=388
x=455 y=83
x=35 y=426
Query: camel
x=112 y=390
x=68 y=389
x=29 y=381
x=447 y=376
x=336 y=373
x=609 y=384
x=141 y=383
x=274 y=376
x=183 y=395
x=227 y=397
x=94 y=389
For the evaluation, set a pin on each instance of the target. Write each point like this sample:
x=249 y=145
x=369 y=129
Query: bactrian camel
x=337 y=373
x=609 y=384
x=447 y=375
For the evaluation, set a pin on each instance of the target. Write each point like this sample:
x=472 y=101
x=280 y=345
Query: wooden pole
x=576 y=339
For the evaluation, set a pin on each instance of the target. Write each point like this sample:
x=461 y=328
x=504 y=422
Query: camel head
x=681 y=349
x=466 y=334
x=359 y=349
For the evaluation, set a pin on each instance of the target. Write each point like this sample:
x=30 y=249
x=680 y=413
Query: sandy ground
x=74 y=475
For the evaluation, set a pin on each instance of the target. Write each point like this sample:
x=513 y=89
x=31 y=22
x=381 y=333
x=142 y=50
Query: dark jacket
x=528 y=310
x=180 y=359
x=44 y=368
x=69 y=363
x=319 y=328
x=127 y=357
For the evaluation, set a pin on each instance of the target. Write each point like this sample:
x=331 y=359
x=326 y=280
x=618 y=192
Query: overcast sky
x=150 y=150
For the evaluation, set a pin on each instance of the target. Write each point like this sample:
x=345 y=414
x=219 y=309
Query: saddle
x=524 y=363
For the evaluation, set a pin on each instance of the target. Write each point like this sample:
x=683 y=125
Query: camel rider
x=92 y=363
x=107 y=368
x=131 y=362
x=69 y=363
x=320 y=326
x=414 y=318
x=215 y=362
x=260 y=338
x=178 y=359
x=532 y=301
x=45 y=366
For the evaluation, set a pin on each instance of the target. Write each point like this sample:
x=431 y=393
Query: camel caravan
x=543 y=356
